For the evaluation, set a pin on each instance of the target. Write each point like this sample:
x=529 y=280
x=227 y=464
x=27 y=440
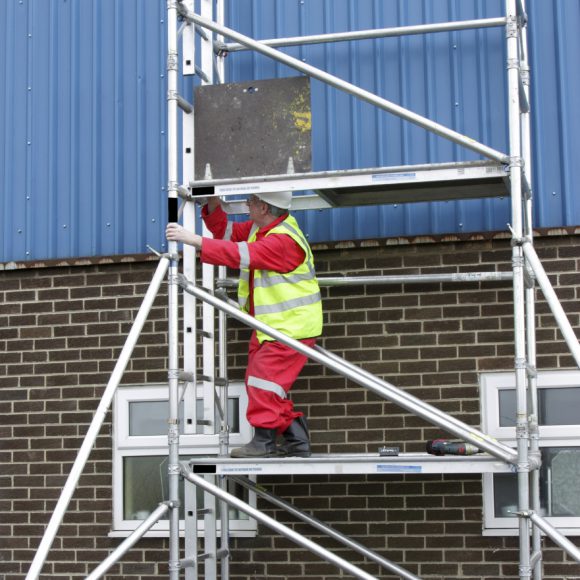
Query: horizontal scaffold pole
x=97 y=422
x=375 y=33
x=274 y=525
x=354 y=373
x=316 y=523
x=333 y=281
x=347 y=87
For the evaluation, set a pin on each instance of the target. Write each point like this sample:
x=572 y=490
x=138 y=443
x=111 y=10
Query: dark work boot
x=263 y=444
x=296 y=439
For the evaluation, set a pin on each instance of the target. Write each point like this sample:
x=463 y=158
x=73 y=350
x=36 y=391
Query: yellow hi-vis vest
x=290 y=302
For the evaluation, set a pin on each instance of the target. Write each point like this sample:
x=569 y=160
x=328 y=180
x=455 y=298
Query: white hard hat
x=281 y=199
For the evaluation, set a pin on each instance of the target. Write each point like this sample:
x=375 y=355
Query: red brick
x=404 y=341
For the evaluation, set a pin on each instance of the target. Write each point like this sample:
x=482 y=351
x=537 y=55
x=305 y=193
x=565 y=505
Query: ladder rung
x=524 y=103
x=184 y=105
x=187 y=563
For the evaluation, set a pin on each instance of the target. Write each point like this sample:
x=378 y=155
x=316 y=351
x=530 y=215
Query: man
x=278 y=287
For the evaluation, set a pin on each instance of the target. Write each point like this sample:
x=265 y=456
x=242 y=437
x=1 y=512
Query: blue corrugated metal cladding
x=83 y=114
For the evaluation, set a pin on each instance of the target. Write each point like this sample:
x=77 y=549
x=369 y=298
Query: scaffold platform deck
x=375 y=186
x=347 y=464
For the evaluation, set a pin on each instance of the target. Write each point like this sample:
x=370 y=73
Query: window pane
x=233 y=413
x=507 y=407
x=556 y=406
x=150 y=418
x=505 y=495
x=561 y=471
x=559 y=406
x=145 y=486
x=559 y=475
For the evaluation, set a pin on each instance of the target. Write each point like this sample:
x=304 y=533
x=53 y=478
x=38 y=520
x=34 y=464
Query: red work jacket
x=278 y=252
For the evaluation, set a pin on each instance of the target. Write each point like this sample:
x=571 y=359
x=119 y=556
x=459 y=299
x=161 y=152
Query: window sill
x=165 y=534
x=514 y=532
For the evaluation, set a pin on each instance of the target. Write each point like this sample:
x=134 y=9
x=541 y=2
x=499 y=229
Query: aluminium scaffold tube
x=276 y=526
x=416 y=278
x=557 y=537
x=395 y=279
x=552 y=299
x=328 y=530
x=97 y=422
x=518 y=265
x=384 y=390
x=370 y=34
x=343 y=85
x=173 y=480
x=530 y=298
x=129 y=542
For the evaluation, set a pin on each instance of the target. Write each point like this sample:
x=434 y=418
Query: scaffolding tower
x=499 y=174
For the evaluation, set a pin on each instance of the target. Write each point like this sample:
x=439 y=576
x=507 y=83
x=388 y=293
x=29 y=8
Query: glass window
x=560 y=467
x=233 y=413
x=150 y=418
x=140 y=454
x=561 y=470
x=556 y=406
x=507 y=407
x=559 y=426
x=146 y=483
x=559 y=406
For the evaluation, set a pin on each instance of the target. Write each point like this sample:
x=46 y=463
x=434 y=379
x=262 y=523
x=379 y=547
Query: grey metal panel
x=253 y=128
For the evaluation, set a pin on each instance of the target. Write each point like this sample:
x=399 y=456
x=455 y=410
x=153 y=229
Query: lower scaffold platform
x=345 y=464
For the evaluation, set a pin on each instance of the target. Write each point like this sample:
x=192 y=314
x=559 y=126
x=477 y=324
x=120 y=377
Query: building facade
x=62 y=327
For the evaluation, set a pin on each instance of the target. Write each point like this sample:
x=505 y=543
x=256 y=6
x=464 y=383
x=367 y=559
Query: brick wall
x=62 y=328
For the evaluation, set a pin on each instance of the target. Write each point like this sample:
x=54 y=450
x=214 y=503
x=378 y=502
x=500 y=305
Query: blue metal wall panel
x=82 y=125
x=83 y=114
x=555 y=52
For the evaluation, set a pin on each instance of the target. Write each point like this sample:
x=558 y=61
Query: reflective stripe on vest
x=265 y=385
x=287 y=305
x=244 y=255
x=266 y=281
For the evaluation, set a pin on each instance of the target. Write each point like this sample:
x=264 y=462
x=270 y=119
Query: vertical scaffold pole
x=224 y=551
x=530 y=297
x=172 y=291
x=522 y=435
x=209 y=335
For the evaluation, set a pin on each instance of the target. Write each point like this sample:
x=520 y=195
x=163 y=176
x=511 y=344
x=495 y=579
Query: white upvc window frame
x=191 y=445
x=550 y=436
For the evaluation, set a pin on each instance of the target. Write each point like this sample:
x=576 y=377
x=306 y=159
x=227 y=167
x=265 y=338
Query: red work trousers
x=272 y=369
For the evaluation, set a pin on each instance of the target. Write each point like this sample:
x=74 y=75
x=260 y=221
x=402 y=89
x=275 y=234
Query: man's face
x=258 y=209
